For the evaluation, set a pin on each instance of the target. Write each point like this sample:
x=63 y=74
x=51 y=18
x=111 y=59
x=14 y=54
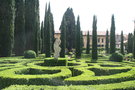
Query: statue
x=57 y=48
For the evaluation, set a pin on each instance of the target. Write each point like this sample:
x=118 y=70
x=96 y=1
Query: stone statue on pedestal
x=57 y=48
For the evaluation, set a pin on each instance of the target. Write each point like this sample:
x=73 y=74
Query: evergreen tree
x=37 y=27
x=122 y=47
x=45 y=29
x=107 y=42
x=32 y=26
x=70 y=29
x=130 y=43
x=112 y=36
x=7 y=16
x=63 y=38
x=78 y=39
x=134 y=45
x=19 y=32
x=88 y=44
x=52 y=32
x=42 y=37
x=48 y=32
x=82 y=43
x=94 y=39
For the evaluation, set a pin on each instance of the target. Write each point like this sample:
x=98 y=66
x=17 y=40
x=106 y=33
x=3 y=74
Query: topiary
x=29 y=54
x=118 y=57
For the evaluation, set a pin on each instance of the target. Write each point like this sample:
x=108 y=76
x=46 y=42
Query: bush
x=116 y=57
x=129 y=57
x=29 y=54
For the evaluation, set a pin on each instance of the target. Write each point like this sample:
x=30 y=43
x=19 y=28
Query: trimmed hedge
x=128 y=85
x=86 y=78
x=118 y=57
x=27 y=73
x=53 y=62
x=13 y=77
x=29 y=54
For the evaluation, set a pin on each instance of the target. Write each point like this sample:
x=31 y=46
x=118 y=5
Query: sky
x=123 y=10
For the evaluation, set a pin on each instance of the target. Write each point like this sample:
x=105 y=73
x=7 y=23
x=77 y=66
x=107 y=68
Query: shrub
x=128 y=57
x=116 y=57
x=29 y=54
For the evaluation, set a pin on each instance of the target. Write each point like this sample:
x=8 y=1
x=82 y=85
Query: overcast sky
x=123 y=10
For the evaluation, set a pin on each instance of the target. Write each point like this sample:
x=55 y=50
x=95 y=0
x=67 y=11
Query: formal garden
x=19 y=73
x=32 y=58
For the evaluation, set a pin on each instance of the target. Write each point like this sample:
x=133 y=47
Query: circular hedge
x=29 y=54
x=116 y=57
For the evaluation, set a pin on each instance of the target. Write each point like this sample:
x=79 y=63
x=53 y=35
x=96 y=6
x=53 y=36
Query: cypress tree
x=42 y=37
x=37 y=27
x=63 y=38
x=134 y=45
x=7 y=16
x=19 y=28
x=45 y=29
x=48 y=33
x=122 y=47
x=52 y=32
x=94 y=39
x=78 y=39
x=70 y=29
x=82 y=44
x=32 y=24
x=88 y=44
x=112 y=36
x=107 y=42
x=130 y=43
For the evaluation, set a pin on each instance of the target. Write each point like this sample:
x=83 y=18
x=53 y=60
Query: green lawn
x=17 y=73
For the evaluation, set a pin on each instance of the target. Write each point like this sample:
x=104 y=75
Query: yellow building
x=101 y=38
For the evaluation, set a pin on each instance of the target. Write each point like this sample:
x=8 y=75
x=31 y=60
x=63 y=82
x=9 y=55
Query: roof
x=98 y=32
x=85 y=32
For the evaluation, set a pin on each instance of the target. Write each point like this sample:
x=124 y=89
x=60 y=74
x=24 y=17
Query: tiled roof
x=98 y=32
x=85 y=32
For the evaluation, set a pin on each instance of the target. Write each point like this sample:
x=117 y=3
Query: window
x=102 y=40
x=98 y=40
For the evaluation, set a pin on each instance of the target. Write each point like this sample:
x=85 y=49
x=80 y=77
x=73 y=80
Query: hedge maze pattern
x=30 y=73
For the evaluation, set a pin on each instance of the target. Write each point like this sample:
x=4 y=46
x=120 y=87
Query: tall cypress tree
x=130 y=43
x=37 y=27
x=42 y=37
x=70 y=29
x=82 y=43
x=78 y=39
x=88 y=44
x=48 y=32
x=7 y=15
x=134 y=45
x=32 y=24
x=112 y=36
x=45 y=29
x=94 y=39
x=19 y=28
x=122 y=47
x=63 y=37
x=52 y=31
x=107 y=42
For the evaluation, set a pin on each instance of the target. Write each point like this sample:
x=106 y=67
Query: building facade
x=101 y=38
